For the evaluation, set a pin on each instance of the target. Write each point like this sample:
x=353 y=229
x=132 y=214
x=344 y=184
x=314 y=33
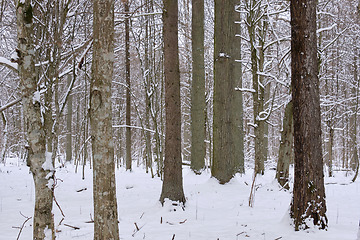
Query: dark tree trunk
x=308 y=204
x=172 y=188
x=69 y=124
x=198 y=146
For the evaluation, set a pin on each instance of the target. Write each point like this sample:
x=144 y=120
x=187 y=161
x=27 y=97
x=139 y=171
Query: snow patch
x=36 y=97
x=47 y=165
x=48 y=234
x=50 y=184
x=224 y=55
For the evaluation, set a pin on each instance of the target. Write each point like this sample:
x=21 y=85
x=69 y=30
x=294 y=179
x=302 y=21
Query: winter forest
x=179 y=119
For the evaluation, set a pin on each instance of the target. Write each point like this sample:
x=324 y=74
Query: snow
x=212 y=211
x=6 y=62
x=48 y=165
x=36 y=97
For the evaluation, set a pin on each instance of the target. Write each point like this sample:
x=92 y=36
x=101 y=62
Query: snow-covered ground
x=212 y=211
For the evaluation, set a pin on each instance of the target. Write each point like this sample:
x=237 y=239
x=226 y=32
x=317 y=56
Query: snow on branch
x=7 y=63
x=326 y=28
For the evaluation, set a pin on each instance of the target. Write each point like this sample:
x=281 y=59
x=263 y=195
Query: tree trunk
x=285 y=149
x=198 y=146
x=39 y=162
x=105 y=205
x=127 y=76
x=257 y=64
x=4 y=138
x=330 y=150
x=353 y=119
x=227 y=126
x=172 y=187
x=308 y=204
x=69 y=125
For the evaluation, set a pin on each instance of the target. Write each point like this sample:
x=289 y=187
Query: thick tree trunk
x=198 y=146
x=39 y=162
x=128 y=85
x=105 y=205
x=308 y=205
x=172 y=188
x=286 y=146
x=227 y=126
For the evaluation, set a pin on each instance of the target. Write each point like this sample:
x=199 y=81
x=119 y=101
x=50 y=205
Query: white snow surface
x=212 y=211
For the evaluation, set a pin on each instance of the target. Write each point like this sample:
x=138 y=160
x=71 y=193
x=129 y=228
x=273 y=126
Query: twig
x=22 y=226
x=76 y=228
x=61 y=221
x=183 y=221
x=173 y=237
x=252 y=192
x=137 y=228
x=80 y=190
x=57 y=204
x=278 y=238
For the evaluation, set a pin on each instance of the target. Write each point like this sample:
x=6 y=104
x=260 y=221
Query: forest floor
x=212 y=211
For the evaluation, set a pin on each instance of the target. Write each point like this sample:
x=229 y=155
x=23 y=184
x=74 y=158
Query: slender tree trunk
x=172 y=188
x=105 y=205
x=128 y=85
x=308 y=205
x=353 y=118
x=148 y=94
x=39 y=162
x=257 y=64
x=238 y=109
x=198 y=146
x=285 y=149
x=4 y=138
x=227 y=126
x=69 y=125
x=330 y=150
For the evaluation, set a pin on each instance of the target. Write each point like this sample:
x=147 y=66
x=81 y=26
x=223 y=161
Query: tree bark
x=227 y=125
x=69 y=124
x=286 y=146
x=4 y=138
x=308 y=204
x=39 y=162
x=198 y=146
x=172 y=187
x=128 y=85
x=105 y=205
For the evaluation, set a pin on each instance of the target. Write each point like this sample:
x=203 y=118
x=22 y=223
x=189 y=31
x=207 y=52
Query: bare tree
x=227 y=125
x=39 y=161
x=172 y=188
x=308 y=202
x=105 y=205
x=128 y=85
x=198 y=88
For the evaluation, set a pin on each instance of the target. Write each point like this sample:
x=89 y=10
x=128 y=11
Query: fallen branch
x=76 y=228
